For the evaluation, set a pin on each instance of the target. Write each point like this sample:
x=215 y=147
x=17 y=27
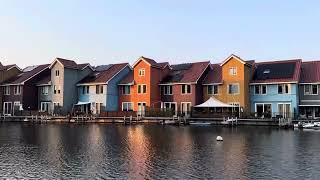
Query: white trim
x=14 y=66
x=311 y=89
x=119 y=72
x=213 y=90
x=313 y=100
x=310 y=83
x=176 y=106
x=140 y=59
x=128 y=84
x=255 y=107
x=7 y=102
x=185 y=103
x=292 y=82
x=91 y=84
x=165 y=84
x=165 y=87
x=260 y=89
x=122 y=89
x=87 y=66
x=232 y=56
x=309 y=105
x=132 y=105
x=210 y=84
x=55 y=60
x=142 y=70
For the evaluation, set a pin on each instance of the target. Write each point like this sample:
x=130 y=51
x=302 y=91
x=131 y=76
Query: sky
x=178 y=31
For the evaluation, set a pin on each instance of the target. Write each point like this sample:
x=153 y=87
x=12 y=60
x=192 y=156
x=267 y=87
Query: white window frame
x=6 y=90
x=124 y=91
x=142 y=72
x=310 y=89
x=44 y=90
x=166 y=88
x=132 y=104
x=213 y=86
x=141 y=85
x=260 y=89
x=41 y=106
x=233 y=71
x=17 y=90
x=181 y=107
x=184 y=86
x=284 y=88
x=4 y=105
x=255 y=106
x=238 y=84
x=284 y=111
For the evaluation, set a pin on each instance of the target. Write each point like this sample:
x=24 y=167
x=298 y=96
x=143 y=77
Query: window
x=6 y=90
x=85 y=89
x=186 y=89
x=17 y=105
x=283 y=88
x=45 y=90
x=17 y=90
x=56 y=89
x=233 y=89
x=311 y=89
x=233 y=71
x=57 y=73
x=213 y=89
x=167 y=90
x=142 y=89
x=99 y=89
x=260 y=89
x=142 y=72
x=126 y=90
x=44 y=107
x=127 y=106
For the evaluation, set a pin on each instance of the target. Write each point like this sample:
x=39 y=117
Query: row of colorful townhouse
x=267 y=89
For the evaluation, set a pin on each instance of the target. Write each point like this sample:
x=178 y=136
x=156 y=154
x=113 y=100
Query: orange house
x=229 y=82
x=140 y=89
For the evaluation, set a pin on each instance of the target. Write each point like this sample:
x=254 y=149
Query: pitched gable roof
x=26 y=75
x=214 y=76
x=277 y=71
x=151 y=62
x=248 y=63
x=104 y=75
x=70 y=64
x=310 y=72
x=8 y=67
x=186 y=73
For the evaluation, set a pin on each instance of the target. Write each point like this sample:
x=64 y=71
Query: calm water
x=156 y=152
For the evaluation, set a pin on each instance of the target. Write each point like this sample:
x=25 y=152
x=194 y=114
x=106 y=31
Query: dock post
x=130 y=119
x=124 y=120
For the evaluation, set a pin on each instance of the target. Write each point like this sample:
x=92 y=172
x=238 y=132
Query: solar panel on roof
x=103 y=67
x=274 y=71
x=29 y=68
x=180 y=67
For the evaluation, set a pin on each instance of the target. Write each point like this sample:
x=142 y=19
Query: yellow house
x=229 y=82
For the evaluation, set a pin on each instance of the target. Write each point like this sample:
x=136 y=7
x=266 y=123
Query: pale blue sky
x=102 y=32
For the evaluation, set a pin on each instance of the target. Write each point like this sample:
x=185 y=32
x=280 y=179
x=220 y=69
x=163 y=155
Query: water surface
x=106 y=151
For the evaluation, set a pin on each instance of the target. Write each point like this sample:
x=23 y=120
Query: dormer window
x=233 y=71
x=142 y=72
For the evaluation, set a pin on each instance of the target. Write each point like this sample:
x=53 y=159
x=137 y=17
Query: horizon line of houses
x=279 y=87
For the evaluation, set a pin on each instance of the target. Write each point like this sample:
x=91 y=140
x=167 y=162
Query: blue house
x=99 y=90
x=274 y=89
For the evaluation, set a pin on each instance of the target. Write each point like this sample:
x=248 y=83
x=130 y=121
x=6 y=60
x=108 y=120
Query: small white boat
x=308 y=125
x=219 y=138
x=316 y=124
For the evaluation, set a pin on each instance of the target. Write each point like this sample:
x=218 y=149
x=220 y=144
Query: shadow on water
x=156 y=152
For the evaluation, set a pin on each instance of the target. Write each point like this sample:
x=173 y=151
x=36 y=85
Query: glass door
x=141 y=108
x=7 y=108
x=186 y=108
x=284 y=110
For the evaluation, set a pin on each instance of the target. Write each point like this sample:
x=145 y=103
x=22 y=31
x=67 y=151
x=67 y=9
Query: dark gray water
x=156 y=152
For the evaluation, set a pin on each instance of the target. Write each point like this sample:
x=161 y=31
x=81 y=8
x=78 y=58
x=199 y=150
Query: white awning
x=82 y=103
x=213 y=102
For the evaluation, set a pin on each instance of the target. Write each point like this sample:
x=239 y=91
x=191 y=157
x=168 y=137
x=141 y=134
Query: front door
x=285 y=110
x=141 y=108
x=186 y=108
x=7 y=108
x=171 y=106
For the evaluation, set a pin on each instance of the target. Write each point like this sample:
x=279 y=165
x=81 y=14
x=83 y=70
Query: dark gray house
x=20 y=92
x=45 y=94
x=309 y=97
